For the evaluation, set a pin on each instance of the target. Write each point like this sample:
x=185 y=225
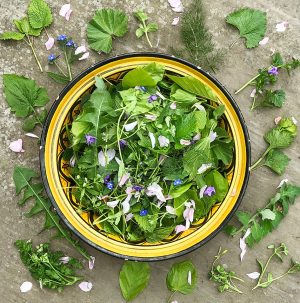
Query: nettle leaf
x=273 y=98
x=251 y=23
x=12 y=36
x=194 y=86
x=39 y=14
x=243 y=217
x=24 y=27
x=134 y=278
x=146 y=223
x=141 y=16
x=277 y=161
x=277 y=59
x=106 y=24
x=223 y=151
x=178 y=277
x=278 y=138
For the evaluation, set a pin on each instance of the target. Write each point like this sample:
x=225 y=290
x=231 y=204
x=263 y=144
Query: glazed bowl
x=56 y=177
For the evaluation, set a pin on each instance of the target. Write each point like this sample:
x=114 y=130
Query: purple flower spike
x=143 y=212
x=209 y=191
x=137 y=187
x=90 y=139
x=152 y=98
x=273 y=71
x=106 y=179
x=122 y=143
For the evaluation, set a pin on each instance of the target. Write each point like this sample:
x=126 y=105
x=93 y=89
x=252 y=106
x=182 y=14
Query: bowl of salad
x=145 y=156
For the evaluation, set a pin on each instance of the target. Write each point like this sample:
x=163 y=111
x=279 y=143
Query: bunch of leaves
x=199 y=47
x=265 y=220
x=106 y=25
x=182 y=277
x=251 y=23
x=134 y=278
x=23 y=179
x=24 y=97
x=144 y=28
x=263 y=96
x=280 y=137
x=38 y=17
x=46 y=266
x=278 y=252
x=223 y=277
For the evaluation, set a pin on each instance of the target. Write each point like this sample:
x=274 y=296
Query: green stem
x=60 y=69
x=68 y=65
x=263 y=271
x=246 y=84
x=171 y=297
x=146 y=33
x=34 y=53
x=253 y=104
x=253 y=166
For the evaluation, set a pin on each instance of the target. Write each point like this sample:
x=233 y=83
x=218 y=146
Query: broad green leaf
x=194 y=86
x=159 y=234
x=58 y=78
x=230 y=230
x=152 y=27
x=251 y=23
x=172 y=169
x=134 y=278
x=141 y=15
x=273 y=98
x=267 y=214
x=11 y=36
x=39 y=14
x=219 y=111
x=278 y=138
x=277 y=161
x=243 y=217
x=106 y=24
x=139 y=32
x=179 y=190
x=222 y=151
x=138 y=77
x=220 y=183
x=146 y=223
x=24 y=27
x=177 y=278
x=290 y=191
x=30 y=191
x=21 y=176
x=183 y=96
x=30 y=123
x=156 y=71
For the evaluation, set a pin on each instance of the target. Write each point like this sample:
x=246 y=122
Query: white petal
x=91 y=262
x=26 y=286
x=212 y=136
x=155 y=190
x=176 y=6
x=202 y=190
x=199 y=107
x=32 y=135
x=152 y=138
x=170 y=210
x=264 y=41
x=277 y=120
x=204 y=167
x=197 y=137
x=68 y=14
x=150 y=117
x=282 y=26
x=247 y=233
x=175 y=21
x=126 y=205
x=243 y=247
x=64 y=260
x=49 y=44
x=110 y=154
x=118 y=160
x=64 y=9
x=80 y=49
x=254 y=275
x=189 y=279
x=173 y=105
x=294 y=120
x=130 y=126
x=16 y=146
x=129 y=217
x=112 y=204
x=163 y=141
x=85 y=286
x=253 y=93
x=179 y=228
x=174 y=301
x=101 y=159
x=124 y=179
x=160 y=95
x=185 y=142
x=84 y=56
x=282 y=182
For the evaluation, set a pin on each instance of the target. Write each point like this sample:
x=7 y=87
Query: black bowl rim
x=125 y=56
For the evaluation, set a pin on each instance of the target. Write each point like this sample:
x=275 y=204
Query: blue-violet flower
x=70 y=43
x=62 y=38
x=106 y=179
x=177 y=182
x=152 y=98
x=273 y=71
x=143 y=212
x=90 y=139
x=209 y=191
x=51 y=58
x=110 y=185
x=122 y=143
x=137 y=187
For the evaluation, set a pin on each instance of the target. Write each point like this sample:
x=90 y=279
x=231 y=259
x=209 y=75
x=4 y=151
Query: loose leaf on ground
x=39 y=14
x=273 y=98
x=277 y=161
x=251 y=23
x=134 y=278
x=105 y=25
x=24 y=26
x=58 y=78
x=12 y=36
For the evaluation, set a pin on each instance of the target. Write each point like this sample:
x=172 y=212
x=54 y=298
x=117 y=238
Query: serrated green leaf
x=29 y=192
x=139 y=32
x=290 y=191
x=243 y=217
x=277 y=161
x=146 y=223
x=39 y=14
x=273 y=98
x=223 y=151
x=58 y=78
x=251 y=23
x=279 y=138
x=152 y=27
x=267 y=214
x=12 y=36
x=230 y=230
x=29 y=123
x=141 y=15
x=22 y=176
x=159 y=234
x=24 y=27
x=134 y=278
x=277 y=59
x=177 y=278
x=106 y=24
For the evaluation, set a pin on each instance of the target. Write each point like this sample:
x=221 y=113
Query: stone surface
x=240 y=65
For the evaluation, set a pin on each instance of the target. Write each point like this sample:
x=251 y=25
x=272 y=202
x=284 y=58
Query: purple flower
x=177 y=182
x=143 y=212
x=137 y=187
x=70 y=43
x=273 y=71
x=90 y=139
x=122 y=144
x=106 y=179
x=209 y=191
x=110 y=185
x=62 y=38
x=152 y=98
x=51 y=58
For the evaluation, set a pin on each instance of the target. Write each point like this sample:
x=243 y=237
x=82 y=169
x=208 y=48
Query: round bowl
x=55 y=171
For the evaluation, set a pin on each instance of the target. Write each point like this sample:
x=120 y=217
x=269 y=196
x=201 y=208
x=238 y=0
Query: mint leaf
x=251 y=23
x=39 y=14
x=12 y=36
x=177 y=278
x=106 y=24
x=277 y=161
x=134 y=278
x=273 y=98
x=24 y=27
x=277 y=59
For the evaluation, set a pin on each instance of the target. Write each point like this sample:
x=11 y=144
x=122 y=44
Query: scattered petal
x=85 y=286
x=80 y=49
x=91 y=262
x=124 y=179
x=129 y=217
x=188 y=215
x=155 y=190
x=16 y=146
x=174 y=301
x=264 y=41
x=197 y=137
x=130 y=126
x=254 y=275
x=185 y=142
x=50 y=42
x=294 y=120
x=179 y=228
x=170 y=210
x=243 y=245
x=189 y=279
x=26 y=286
x=129 y=190
x=150 y=117
x=176 y=6
x=199 y=107
x=113 y=204
x=126 y=205
x=173 y=105
x=65 y=11
x=273 y=50
x=84 y=56
x=282 y=182
x=152 y=138
x=212 y=136
x=253 y=93
x=282 y=26
x=72 y=161
x=161 y=96
x=104 y=159
x=202 y=190
x=163 y=141
x=277 y=120
x=32 y=135
x=175 y=21
x=204 y=167
x=64 y=260
x=118 y=160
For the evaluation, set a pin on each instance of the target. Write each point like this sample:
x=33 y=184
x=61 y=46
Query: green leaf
x=24 y=27
x=277 y=161
x=230 y=230
x=39 y=14
x=251 y=23
x=139 y=32
x=159 y=234
x=106 y=24
x=267 y=214
x=152 y=27
x=179 y=190
x=177 y=278
x=156 y=71
x=22 y=176
x=146 y=223
x=273 y=98
x=219 y=111
x=278 y=138
x=134 y=278
x=12 y=36
x=181 y=96
x=138 y=77
x=58 y=78
x=243 y=217
x=29 y=124
x=194 y=86
x=277 y=59
x=290 y=191
x=220 y=183
x=172 y=169
x=141 y=15
x=223 y=151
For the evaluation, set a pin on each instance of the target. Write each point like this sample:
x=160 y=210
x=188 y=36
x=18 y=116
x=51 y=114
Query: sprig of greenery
x=221 y=276
x=23 y=181
x=39 y=17
x=197 y=40
x=265 y=220
x=281 y=136
x=47 y=267
x=144 y=28
x=279 y=252
x=264 y=97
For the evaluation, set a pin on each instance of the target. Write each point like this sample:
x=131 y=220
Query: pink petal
x=155 y=190
x=124 y=179
x=80 y=49
x=64 y=9
x=277 y=120
x=91 y=262
x=64 y=260
x=129 y=190
x=176 y=6
x=253 y=93
x=31 y=135
x=189 y=279
x=68 y=14
x=84 y=56
x=26 y=286
x=179 y=228
x=282 y=182
x=282 y=26
x=163 y=141
x=254 y=275
x=264 y=41
x=202 y=190
x=212 y=136
x=197 y=137
x=16 y=146
x=174 y=301
x=49 y=44
x=85 y=286
x=173 y=105
x=175 y=21
x=170 y=210
x=185 y=142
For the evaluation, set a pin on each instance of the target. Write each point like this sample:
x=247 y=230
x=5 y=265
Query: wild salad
x=148 y=154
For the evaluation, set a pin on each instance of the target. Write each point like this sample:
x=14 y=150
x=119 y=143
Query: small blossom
x=294 y=120
x=122 y=144
x=185 y=142
x=209 y=191
x=124 y=179
x=243 y=245
x=212 y=136
x=130 y=126
x=16 y=146
x=197 y=137
x=173 y=105
x=90 y=139
x=177 y=182
x=85 y=286
x=110 y=185
x=152 y=98
x=188 y=215
x=150 y=117
x=32 y=135
x=273 y=71
x=282 y=26
x=202 y=190
x=179 y=228
x=152 y=139
x=72 y=161
x=112 y=204
x=155 y=190
x=277 y=120
x=143 y=212
x=176 y=6
x=253 y=93
x=171 y=210
x=80 y=49
x=91 y=262
x=70 y=43
x=254 y=275
x=64 y=260
x=264 y=41
x=137 y=187
x=26 y=286
x=104 y=159
x=66 y=11
x=175 y=21
x=199 y=106
x=51 y=58
x=49 y=44
x=106 y=179
x=282 y=182
x=163 y=141
x=62 y=38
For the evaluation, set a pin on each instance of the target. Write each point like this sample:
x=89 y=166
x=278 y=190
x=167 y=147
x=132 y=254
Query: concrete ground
x=240 y=65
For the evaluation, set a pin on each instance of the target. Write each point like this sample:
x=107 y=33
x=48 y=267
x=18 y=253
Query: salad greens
x=148 y=156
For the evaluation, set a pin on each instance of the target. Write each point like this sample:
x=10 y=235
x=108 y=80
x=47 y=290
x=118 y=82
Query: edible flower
x=152 y=98
x=70 y=43
x=143 y=212
x=51 y=58
x=273 y=71
x=90 y=139
x=209 y=191
x=177 y=182
x=137 y=187
x=62 y=38
x=110 y=185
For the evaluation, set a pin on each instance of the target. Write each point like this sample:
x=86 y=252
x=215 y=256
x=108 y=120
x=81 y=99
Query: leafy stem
x=68 y=64
x=146 y=34
x=247 y=83
x=30 y=43
x=255 y=165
